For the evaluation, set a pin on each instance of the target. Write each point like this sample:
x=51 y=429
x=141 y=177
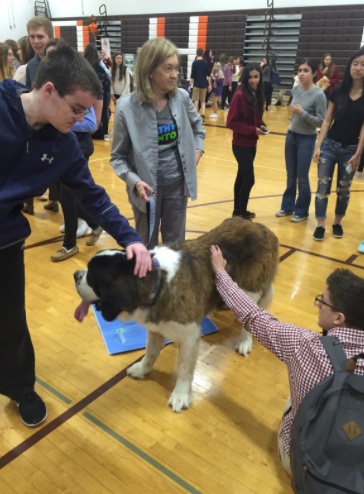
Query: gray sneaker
x=281 y=213
x=297 y=219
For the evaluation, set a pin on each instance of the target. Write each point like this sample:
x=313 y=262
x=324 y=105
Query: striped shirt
x=300 y=349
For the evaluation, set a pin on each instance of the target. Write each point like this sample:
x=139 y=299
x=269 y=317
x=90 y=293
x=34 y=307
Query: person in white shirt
x=120 y=78
x=26 y=53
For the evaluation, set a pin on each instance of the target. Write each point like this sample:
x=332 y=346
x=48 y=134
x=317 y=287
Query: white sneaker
x=213 y=115
x=106 y=138
x=82 y=229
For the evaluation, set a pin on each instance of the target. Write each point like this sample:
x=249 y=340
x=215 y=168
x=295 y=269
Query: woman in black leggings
x=245 y=120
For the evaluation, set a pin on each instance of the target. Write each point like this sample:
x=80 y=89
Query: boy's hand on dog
x=217 y=260
x=143 y=261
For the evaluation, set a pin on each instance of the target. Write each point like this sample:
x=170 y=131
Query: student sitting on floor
x=341 y=314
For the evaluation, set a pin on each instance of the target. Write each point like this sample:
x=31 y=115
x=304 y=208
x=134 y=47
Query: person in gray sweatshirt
x=308 y=109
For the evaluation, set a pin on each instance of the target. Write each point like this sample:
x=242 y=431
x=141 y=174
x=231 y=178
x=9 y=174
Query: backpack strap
x=335 y=352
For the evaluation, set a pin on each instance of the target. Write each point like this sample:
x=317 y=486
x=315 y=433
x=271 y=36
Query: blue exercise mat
x=122 y=336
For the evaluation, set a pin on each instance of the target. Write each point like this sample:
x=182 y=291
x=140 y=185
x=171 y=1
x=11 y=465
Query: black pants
x=268 y=91
x=72 y=210
x=17 y=362
x=234 y=88
x=245 y=178
x=105 y=114
x=361 y=164
x=226 y=95
x=117 y=96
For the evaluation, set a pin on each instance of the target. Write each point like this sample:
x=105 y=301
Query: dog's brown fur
x=251 y=251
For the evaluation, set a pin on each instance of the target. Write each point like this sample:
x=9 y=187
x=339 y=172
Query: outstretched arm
x=280 y=338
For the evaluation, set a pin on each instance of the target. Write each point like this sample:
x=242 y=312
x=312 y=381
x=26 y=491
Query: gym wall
x=314 y=32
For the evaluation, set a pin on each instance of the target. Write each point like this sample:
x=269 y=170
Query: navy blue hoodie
x=30 y=162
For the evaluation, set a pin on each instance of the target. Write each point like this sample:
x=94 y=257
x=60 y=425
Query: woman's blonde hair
x=152 y=53
x=6 y=72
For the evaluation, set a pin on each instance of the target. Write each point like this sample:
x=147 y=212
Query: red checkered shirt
x=300 y=349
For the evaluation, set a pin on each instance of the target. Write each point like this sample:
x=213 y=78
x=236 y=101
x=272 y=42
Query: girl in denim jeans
x=308 y=109
x=343 y=145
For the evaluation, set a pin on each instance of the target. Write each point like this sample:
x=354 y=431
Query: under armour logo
x=45 y=157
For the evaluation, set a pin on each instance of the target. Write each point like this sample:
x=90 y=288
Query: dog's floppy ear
x=113 y=302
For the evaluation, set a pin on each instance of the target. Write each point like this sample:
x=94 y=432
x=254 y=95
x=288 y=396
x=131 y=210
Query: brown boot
x=52 y=206
x=63 y=254
x=93 y=238
x=28 y=209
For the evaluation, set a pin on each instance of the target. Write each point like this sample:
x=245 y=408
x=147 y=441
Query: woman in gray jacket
x=158 y=140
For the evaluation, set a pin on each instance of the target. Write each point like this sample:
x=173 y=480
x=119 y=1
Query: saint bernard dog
x=180 y=291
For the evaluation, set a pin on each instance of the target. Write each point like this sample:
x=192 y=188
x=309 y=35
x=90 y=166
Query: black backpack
x=327 y=448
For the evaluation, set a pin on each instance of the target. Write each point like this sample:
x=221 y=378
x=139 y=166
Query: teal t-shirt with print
x=169 y=164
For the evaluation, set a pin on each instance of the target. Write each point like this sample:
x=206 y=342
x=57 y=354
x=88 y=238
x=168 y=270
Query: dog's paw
x=245 y=343
x=136 y=371
x=178 y=401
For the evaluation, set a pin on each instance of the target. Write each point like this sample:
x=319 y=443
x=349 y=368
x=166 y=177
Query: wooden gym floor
x=107 y=433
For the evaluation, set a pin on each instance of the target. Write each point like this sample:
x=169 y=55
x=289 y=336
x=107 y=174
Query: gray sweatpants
x=170 y=213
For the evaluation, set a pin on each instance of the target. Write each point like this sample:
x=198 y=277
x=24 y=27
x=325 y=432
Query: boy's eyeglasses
x=319 y=301
x=78 y=114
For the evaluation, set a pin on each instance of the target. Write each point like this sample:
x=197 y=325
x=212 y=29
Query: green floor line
x=49 y=388
x=168 y=473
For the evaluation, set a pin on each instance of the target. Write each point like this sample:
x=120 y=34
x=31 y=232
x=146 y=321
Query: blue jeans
x=333 y=152
x=299 y=151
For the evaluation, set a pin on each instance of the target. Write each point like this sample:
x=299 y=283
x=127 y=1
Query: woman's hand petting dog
x=217 y=260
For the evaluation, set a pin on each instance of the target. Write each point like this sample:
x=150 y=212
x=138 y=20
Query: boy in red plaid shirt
x=341 y=314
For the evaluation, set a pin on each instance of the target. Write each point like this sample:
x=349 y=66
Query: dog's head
x=110 y=284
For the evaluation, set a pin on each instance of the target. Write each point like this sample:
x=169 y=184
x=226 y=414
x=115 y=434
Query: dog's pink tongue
x=81 y=311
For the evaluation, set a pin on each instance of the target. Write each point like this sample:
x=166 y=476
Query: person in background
x=217 y=81
x=15 y=49
x=331 y=71
x=223 y=60
x=245 y=120
x=209 y=58
x=340 y=142
x=236 y=76
x=180 y=77
x=106 y=69
x=6 y=62
x=341 y=314
x=74 y=214
x=158 y=141
x=108 y=72
x=241 y=68
x=40 y=31
x=200 y=81
x=267 y=82
x=26 y=53
x=120 y=78
x=227 y=87
x=92 y=57
x=359 y=172
x=106 y=60
x=308 y=108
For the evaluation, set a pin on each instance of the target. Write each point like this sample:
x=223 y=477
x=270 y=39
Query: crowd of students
x=340 y=141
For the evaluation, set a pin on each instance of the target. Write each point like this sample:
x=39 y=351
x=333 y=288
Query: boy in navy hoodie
x=37 y=149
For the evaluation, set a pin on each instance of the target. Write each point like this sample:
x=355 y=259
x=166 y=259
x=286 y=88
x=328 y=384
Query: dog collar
x=153 y=295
